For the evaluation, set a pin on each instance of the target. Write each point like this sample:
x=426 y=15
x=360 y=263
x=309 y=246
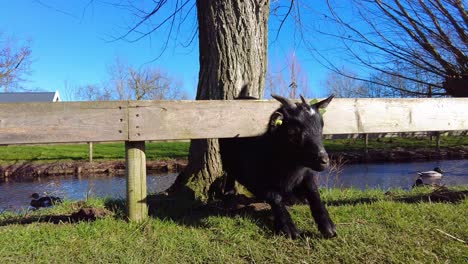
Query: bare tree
x=15 y=61
x=424 y=43
x=144 y=83
x=94 y=92
x=343 y=86
x=296 y=83
x=118 y=78
x=129 y=83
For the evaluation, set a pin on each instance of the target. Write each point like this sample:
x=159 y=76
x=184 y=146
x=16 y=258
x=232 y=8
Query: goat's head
x=297 y=131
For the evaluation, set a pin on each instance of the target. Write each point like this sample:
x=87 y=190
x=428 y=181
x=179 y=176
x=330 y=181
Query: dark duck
x=44 y=201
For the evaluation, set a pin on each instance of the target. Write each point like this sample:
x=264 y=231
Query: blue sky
x=71 y=45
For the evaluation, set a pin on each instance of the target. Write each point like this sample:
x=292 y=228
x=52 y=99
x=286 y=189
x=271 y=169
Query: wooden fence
x=138 y=121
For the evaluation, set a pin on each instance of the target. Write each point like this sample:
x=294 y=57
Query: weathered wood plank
x=165 y=120
x=152 y=120
x=64 y=122
x=396 y=115
x=157 y=120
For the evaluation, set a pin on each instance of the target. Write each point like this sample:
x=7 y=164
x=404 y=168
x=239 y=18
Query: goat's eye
x=294 y=135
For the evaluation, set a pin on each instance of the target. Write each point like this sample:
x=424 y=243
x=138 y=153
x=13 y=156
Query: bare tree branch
x=284 y=19
x=14 y=64
x=423 y=42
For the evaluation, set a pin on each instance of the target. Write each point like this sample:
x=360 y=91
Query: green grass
x=396 y=142
x=179 y=150
x=380 y=231
x=104 y=151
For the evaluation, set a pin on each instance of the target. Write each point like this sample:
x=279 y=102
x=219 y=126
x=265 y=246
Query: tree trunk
x=233 y=41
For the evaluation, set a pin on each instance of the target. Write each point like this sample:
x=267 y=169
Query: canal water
x=15 y=194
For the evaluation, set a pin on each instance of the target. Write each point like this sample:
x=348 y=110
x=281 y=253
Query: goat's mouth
x=318 y=165
x=318 y=162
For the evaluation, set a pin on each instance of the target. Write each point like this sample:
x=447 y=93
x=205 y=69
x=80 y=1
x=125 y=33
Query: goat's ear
x=244 y=91
x=324 y=103
x=276 y=120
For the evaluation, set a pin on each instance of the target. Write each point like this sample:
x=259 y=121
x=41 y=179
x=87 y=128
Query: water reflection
x=396 y=175
x=16 y=194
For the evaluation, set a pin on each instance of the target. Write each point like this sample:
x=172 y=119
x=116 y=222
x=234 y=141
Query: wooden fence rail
x=138 y=121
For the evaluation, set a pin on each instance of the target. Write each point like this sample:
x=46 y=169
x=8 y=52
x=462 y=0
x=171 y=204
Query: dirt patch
x=89 y=214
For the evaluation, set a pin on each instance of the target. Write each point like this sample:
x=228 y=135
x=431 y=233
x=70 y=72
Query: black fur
x=280 y=164
x=44 y=201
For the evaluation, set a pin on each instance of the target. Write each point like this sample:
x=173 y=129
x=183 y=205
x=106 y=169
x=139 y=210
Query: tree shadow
x=192 y=213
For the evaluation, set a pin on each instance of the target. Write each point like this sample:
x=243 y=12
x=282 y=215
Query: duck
x=45 y=201
x=436 y=173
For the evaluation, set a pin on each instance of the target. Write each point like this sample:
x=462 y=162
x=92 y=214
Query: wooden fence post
x=135 y=158
x=366 y=143
x=90 y=151
x=437 y=134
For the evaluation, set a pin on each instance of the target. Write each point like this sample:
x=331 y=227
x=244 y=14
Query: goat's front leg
x=282 y=219
x=319 y=212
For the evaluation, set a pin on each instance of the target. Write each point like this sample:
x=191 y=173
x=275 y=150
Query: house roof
x=29 y=97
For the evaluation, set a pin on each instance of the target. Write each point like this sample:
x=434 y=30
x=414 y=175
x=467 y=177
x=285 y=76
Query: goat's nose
x=323 y=157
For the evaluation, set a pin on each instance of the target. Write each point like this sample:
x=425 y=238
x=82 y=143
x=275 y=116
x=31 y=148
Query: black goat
x=280 y=164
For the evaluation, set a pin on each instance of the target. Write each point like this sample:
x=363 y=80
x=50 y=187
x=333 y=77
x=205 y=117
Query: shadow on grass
x=188 y=212
x=81 y=213
x=26 y=220
x=439 y=195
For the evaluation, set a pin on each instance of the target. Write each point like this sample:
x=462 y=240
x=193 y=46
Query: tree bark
x=233 y=42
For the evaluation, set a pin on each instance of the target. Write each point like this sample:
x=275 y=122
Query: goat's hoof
x=289 y=231
x=328 y=230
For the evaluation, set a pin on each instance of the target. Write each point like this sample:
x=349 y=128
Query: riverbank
x=108 y=158
x=34 y=169
x=401 y=154
x=373 y=227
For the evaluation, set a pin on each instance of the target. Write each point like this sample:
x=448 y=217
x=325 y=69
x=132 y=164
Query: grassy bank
x=103 y=151
x=373 y=227
x=396 y=142
x=178 y=150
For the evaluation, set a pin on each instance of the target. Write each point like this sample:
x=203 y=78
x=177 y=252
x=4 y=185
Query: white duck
x=436 y=173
